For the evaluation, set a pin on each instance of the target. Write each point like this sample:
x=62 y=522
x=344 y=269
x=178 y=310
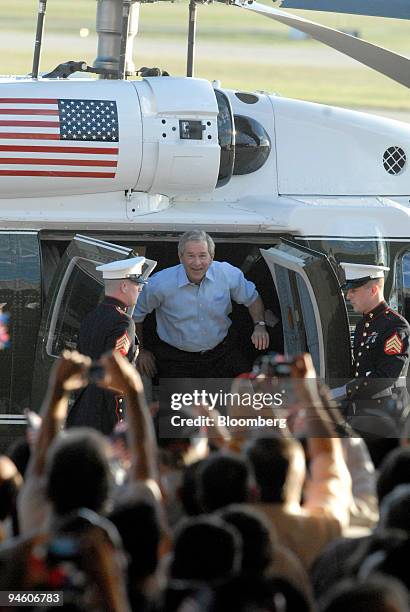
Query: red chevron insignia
x=393 y=345
x=123 y=344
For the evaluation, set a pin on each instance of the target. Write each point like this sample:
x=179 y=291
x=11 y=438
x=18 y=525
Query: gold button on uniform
x=359 y=354
x=367 y=324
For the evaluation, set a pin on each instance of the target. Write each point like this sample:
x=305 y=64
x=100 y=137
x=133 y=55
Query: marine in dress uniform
x=380 y=349
x=109 y=328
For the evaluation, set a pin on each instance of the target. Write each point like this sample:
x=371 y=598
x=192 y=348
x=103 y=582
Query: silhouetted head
x=206 y=550
x=77 y=471
x=279 y=468
x=257 y=550
x=223 y=479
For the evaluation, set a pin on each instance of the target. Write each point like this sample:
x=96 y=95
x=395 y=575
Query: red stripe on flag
x=27 y=111
x=8 y=123
x=29 y=136
x=28 y=101
x=66 y=149
x=78 y=153
x=61 y=173
x=58 y=162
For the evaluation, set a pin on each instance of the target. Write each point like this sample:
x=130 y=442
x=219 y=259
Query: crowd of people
x=104 y=508
x=214 y=521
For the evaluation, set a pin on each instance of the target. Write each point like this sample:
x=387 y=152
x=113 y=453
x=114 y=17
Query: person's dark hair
x=8 y=495
x=380 y=446
x=395 y=509
x=392 y=559
x=257 y=551
x=385 y=551
x=223 y=480
x=77 y=471
x=259 y=594
x=271 y=459
x=19 y=453
x=188 y=493
x=394 y=471
x=207 y=550
x=138 y=524
x=377 y=594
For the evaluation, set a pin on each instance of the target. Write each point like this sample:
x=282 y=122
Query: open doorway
x=71 y=288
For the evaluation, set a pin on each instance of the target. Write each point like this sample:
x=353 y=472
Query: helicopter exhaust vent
x=116 y=36
x=394 y=160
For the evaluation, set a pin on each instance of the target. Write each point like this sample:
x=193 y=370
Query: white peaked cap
x=359 y=274
x=136 y=269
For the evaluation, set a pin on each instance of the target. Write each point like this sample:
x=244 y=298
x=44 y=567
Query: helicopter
x=94 y=170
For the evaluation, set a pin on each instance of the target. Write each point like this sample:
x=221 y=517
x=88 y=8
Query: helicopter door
x=314 y=315
x=75 y=290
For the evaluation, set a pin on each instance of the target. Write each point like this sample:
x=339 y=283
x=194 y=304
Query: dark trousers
x=226 y=360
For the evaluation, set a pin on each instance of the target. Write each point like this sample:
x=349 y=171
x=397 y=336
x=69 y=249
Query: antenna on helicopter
x=126 y=15
x=42 y=5
x=190 y=61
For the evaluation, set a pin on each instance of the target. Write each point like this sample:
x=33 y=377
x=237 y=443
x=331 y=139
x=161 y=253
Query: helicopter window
x=252 y=145
x=226 y=138
x=80 y=292
x=405 y=282
x=247 y=98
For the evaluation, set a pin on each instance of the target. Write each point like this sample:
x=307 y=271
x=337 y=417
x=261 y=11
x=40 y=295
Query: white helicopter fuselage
x=325 y=173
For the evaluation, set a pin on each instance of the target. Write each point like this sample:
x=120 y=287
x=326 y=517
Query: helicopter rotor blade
x=392 y=65
x=395 y=9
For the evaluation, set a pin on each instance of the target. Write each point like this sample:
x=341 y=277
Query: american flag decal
x=58 y=138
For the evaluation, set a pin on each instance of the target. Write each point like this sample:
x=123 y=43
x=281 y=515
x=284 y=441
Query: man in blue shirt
x=192 y=302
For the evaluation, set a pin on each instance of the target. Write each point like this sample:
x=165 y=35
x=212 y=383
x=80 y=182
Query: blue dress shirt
x=194 y=317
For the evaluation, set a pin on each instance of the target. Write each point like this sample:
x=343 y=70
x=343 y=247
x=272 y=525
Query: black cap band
x=356 y=282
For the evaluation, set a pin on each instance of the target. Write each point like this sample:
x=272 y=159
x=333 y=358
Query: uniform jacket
x=380 y=359
x=108 y=327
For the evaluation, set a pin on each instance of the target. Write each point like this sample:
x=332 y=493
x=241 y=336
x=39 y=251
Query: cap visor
x=353 y=284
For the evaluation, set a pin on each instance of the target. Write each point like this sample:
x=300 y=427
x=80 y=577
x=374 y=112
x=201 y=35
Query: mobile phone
x=273 y=365
x=63 y=548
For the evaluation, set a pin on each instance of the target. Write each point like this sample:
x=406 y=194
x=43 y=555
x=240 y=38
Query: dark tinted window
x=252 y=145
x=79 y=294
x=226 y=138
x=405 y=266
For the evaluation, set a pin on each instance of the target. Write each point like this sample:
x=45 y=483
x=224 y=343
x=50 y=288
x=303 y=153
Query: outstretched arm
x=68 y=374
x=122 y=375
x=329 y=490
